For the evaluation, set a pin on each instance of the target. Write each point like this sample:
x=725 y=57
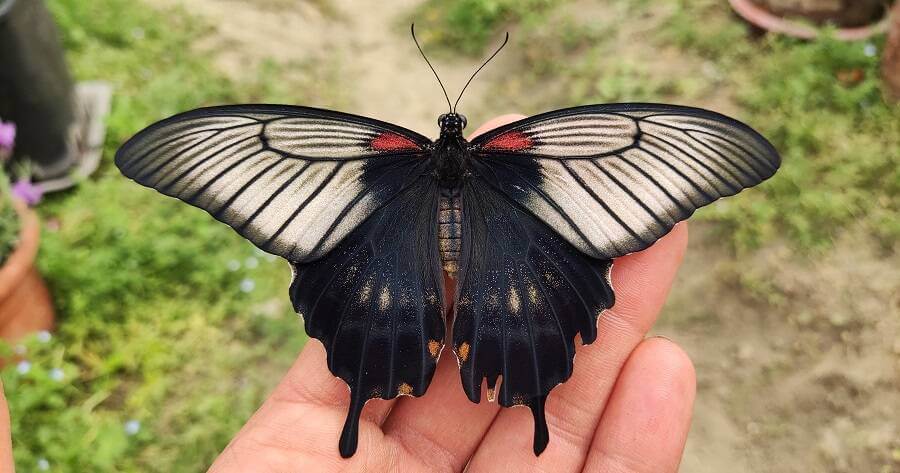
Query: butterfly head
x=452 y=123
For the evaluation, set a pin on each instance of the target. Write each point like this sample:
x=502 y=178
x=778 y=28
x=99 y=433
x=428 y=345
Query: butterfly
x=526 y=218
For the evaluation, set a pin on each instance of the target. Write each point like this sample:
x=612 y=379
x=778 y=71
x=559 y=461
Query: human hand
x=6 y=456
x=627 y=406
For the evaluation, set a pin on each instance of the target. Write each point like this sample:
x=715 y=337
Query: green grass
x=838 y=138
x=155 y=326
x=9 y=222
x=466 y=26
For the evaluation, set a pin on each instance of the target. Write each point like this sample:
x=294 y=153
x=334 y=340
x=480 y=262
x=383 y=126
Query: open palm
x=627 y=406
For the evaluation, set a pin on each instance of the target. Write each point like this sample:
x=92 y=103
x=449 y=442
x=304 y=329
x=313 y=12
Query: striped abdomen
x=450 y=229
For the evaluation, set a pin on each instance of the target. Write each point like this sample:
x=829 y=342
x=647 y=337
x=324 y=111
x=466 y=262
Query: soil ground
x=798 y=358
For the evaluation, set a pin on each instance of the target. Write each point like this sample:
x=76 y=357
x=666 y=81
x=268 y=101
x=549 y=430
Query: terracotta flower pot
x=25 y=304
x=767 y=20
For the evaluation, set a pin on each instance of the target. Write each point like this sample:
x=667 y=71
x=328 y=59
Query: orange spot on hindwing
x=434 y=347
x=463 y=352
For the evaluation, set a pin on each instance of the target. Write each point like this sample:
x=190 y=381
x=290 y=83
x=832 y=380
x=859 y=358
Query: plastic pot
x=766 y=20
x=25 y=304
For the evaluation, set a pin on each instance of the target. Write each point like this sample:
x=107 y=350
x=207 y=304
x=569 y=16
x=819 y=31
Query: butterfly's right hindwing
x=292 y=180
x=524 y=293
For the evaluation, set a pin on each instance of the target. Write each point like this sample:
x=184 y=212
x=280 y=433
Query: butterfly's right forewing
x=614 y=178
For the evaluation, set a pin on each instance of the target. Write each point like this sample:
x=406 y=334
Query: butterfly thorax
x=450 y=158
x=450 y=152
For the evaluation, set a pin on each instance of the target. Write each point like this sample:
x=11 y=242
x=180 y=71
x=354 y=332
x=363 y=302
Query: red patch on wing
x=388 y=141
x=509 y=141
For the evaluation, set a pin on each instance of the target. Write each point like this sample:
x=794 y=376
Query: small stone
x=753 y=428
x=838 y=319
x=804 y=318
x=745 y=352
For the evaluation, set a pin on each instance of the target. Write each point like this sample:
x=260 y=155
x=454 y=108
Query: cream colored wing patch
x=292 y=180
x=612 y=179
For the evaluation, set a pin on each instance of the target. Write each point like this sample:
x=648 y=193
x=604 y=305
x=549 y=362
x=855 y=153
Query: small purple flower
x=870 y=50
x=27 y=192
x=247 y=285
x=7 y=135
x=57 y=374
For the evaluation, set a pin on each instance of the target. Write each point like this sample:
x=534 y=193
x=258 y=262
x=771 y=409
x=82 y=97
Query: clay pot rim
x=762 y=18
x=21 y=260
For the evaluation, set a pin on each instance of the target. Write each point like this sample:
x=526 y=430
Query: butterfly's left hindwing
x=524 y=293
x=376 y=303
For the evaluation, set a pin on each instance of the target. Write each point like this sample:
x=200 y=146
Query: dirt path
x=378 y=70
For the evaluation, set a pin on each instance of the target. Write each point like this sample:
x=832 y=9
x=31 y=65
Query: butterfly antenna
x=412 y=30
x=505 y=40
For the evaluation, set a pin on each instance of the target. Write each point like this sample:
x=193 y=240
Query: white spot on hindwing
x=366 y=291
x=384 y=299
x=514 y=303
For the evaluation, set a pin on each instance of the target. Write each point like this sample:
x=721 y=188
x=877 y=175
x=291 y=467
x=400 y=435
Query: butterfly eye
x=462 y=119
x=442 y=119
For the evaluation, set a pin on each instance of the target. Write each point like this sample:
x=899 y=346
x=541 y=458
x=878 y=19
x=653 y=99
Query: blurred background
x=171 y=329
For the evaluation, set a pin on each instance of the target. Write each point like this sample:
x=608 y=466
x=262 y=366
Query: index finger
x=6 y=457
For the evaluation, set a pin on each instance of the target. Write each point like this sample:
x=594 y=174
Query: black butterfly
x=527 y=218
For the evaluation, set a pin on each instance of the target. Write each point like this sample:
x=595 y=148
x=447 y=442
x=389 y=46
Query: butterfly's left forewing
x=292 y=180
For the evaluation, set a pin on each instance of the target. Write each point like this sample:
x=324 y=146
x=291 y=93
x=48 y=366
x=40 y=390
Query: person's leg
x=35 y=87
